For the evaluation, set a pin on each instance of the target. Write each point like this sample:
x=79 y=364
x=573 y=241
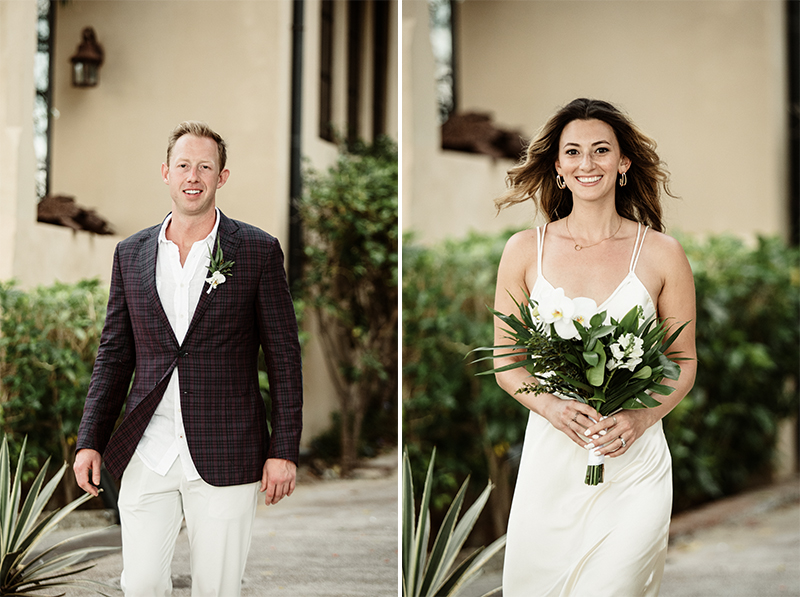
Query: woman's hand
x=612 y=436
x=571 y=417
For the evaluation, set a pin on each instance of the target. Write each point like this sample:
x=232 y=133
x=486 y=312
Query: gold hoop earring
x=623 y=180
x=560 y=182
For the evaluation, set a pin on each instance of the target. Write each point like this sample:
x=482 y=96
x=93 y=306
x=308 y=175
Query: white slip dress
x=566 y=538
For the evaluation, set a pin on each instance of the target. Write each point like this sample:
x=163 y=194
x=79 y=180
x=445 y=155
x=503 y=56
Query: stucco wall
x=444 y=194
x=706 y=79
x=17 y=47
x=226 y=63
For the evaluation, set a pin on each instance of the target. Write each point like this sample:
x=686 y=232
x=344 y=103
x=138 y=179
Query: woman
x=597 y=180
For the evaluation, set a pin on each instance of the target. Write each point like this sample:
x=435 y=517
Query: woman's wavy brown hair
x=534 y=177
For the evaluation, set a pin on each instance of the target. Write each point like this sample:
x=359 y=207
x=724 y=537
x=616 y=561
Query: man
x=191 y=301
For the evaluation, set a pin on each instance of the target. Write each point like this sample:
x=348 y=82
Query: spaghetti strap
x=637 y=248
x=540 y=230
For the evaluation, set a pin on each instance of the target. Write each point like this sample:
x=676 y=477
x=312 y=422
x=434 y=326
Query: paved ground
x=745 y=546
x=339 y=539
x=329 y=539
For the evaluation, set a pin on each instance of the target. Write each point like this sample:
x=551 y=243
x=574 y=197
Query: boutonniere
x=218 y=267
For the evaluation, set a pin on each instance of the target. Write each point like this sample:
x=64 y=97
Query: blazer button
x=182 y=353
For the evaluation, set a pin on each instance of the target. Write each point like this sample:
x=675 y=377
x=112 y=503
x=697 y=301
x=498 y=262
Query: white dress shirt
x=179 y=289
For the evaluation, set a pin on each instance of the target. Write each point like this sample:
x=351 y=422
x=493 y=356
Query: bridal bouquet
x=573 y=351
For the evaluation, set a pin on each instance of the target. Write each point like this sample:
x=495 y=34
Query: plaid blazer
x=223 y=412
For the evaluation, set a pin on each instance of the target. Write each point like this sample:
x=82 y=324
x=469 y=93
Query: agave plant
x=434 y=574
x=26 y=569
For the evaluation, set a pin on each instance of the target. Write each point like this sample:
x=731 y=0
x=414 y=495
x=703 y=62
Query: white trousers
x=219 y=522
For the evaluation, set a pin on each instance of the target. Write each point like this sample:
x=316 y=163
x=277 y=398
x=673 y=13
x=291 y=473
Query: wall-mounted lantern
x=87 y=60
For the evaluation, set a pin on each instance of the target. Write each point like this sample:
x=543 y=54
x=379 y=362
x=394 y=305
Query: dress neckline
x=613 y=293
x=631 y=275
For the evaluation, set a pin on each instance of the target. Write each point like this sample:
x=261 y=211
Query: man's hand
x=87 y=470
x=278 y=479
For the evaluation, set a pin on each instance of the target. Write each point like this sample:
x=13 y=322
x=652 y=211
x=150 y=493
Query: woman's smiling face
x=589 y=159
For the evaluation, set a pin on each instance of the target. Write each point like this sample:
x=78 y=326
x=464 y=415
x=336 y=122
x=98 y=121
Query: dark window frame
x=326 y=130
x=793 y=35
x=355 y=55
x=380 y=67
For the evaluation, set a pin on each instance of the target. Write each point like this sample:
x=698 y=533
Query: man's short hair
x=198 y=129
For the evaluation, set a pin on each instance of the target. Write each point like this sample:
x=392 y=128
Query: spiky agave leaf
x=450 y=540
x=429 y=575
x=408 y=518
x=22 y=531
x=418 y=541
x=473 y=567
x=439 y=560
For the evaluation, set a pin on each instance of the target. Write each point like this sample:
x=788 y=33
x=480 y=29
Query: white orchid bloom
x=215 y=280
x=563 y=312
x=558 y=309
x=585 y=309
x=554 y=306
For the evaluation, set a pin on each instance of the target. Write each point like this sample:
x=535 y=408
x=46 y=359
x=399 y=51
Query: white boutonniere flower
x=215 y=280
x=218 y=268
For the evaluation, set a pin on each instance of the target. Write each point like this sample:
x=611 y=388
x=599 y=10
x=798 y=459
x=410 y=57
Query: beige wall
x=226 y=63
x=706 y=79
x=30 y=252
x=17 y=46
x=444 y=194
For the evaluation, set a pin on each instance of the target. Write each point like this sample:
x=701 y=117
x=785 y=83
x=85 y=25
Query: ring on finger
x=622 y=439
x=615 y=419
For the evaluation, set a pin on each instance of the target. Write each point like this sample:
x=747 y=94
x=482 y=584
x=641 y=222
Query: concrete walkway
x=339 y=539
x=743 y=546
x=334 y=538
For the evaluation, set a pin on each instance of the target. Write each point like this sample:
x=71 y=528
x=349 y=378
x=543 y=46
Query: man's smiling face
x=193 y=175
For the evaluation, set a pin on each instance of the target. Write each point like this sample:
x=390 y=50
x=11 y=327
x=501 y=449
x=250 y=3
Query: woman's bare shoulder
x=665 y=252
x=519 y=253
x=523 y=241
x=665 y=243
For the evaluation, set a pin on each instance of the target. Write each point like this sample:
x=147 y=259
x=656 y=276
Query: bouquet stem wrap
x=594 y=472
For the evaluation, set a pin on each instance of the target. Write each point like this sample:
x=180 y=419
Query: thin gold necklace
x=579 y=247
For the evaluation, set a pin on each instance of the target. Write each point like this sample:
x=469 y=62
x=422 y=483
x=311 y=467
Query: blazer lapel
x=229 y=239
x=148 y=253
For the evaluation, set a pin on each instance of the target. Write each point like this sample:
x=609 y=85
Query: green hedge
x=722 y=436
x=48 y=341
x=469 y=419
